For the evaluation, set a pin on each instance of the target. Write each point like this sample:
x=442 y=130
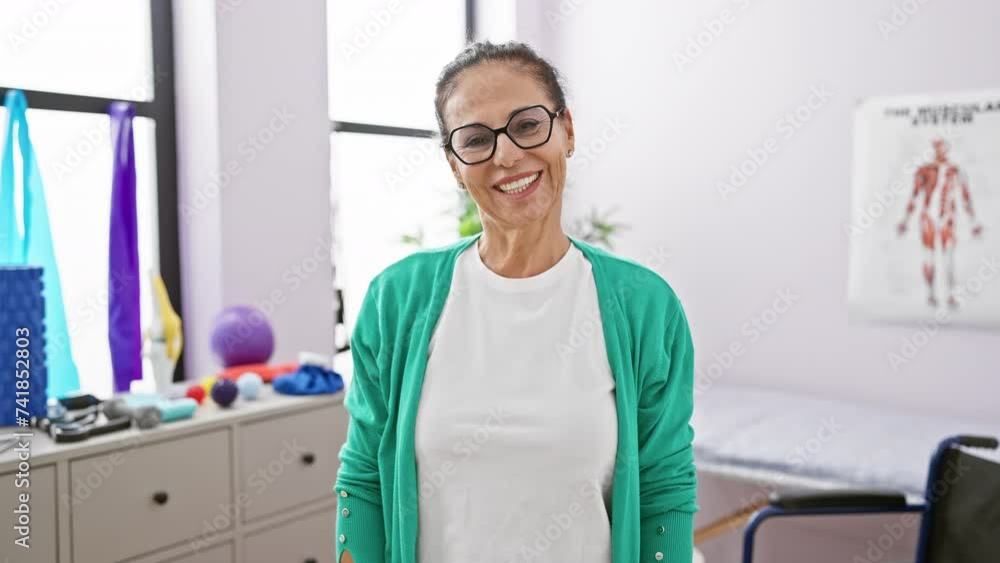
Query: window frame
x=337 y=126
x=162 y=110
x=375 y=129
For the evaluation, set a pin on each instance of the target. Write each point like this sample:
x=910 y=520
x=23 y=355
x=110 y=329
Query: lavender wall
x=254 y=176
x=663 y=131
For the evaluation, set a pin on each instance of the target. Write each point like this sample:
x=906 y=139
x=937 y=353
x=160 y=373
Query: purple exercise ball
x=242 y=335
x=224 y=392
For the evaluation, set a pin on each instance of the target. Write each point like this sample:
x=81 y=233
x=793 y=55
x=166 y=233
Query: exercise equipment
x=224 y=392
x=145 y=416
x=22 y=344
x=76 y=426
x=267 y=372
x=124 y=328
x=242 y=335
x=195 y=391
x=249 y=385
x=170 y=409
x=33 y=246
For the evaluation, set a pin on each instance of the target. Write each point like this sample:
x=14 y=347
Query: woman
x=519 y=395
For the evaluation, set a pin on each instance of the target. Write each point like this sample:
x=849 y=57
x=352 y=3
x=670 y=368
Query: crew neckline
x=519 y=285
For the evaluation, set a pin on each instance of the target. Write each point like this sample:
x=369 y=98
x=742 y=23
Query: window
x=72 y=60
x=389 y=177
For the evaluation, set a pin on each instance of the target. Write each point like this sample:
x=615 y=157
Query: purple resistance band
x=124 y=330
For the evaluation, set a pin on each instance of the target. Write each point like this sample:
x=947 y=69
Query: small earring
x=461 y=186
x=569 y=153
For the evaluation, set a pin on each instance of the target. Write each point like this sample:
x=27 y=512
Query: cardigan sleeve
x=360 y=524
x=667 y=480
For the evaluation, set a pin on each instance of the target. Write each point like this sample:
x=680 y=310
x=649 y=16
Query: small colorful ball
x=196 y=392
x=207 y=384
x=224 y=392
x=250 y=385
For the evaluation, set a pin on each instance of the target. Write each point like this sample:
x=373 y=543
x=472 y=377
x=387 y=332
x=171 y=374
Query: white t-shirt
x=517 y=430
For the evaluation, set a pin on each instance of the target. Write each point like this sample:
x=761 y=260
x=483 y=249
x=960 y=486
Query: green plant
x=596 y=228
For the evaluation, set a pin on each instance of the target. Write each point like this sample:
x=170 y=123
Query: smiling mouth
x=518 y=186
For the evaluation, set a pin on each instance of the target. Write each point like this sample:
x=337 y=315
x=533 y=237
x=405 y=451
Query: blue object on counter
x=24 y=377
x=309 y=379
x=33 y=246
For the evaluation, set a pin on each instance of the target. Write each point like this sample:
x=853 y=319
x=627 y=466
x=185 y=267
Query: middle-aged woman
x=519 y=395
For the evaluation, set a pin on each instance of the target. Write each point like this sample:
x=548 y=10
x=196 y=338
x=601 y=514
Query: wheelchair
x=959 y=518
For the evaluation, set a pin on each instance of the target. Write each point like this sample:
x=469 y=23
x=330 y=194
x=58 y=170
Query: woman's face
x=488 y=94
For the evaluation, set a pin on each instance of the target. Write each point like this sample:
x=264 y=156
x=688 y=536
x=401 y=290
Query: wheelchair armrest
x=839 y=499
x=829 y=504
x=985 y=442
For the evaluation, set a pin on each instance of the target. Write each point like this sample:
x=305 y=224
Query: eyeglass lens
x=528 y=128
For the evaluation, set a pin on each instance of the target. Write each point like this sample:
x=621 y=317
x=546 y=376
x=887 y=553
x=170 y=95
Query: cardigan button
x=343 y=538
x=343 y=493
x=660 y=530
x=346 y=513
x=658 y=556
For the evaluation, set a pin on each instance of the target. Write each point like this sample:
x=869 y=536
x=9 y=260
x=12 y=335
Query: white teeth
x=518 y=186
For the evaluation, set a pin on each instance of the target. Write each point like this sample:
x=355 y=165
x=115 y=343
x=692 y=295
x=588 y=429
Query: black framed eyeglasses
x=528 y=128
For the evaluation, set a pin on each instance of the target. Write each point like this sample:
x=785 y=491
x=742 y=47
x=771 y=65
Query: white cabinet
x=39 y=513
x=151 y=496
x=309 y=538
x=250 y=483
x=286 y=463
x=218 y=554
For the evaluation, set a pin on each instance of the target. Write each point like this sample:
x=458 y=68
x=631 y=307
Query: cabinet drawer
x=219 y=554
x=41 y=515
x=309 y=538
x=136 y=500
x=290 y=460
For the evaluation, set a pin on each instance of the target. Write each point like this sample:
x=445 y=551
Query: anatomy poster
x=924 y=230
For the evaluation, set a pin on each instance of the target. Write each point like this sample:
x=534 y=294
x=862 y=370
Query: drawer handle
x=308 y=458
x=160 y=498
x=310 y=560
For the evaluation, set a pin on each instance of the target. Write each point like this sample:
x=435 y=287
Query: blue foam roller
x=22 y=327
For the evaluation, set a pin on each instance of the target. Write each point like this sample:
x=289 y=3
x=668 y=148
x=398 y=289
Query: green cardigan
x=651 y=356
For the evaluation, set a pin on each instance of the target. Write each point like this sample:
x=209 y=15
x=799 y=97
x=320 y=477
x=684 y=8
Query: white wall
x=682 y=131
x=254 y=171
